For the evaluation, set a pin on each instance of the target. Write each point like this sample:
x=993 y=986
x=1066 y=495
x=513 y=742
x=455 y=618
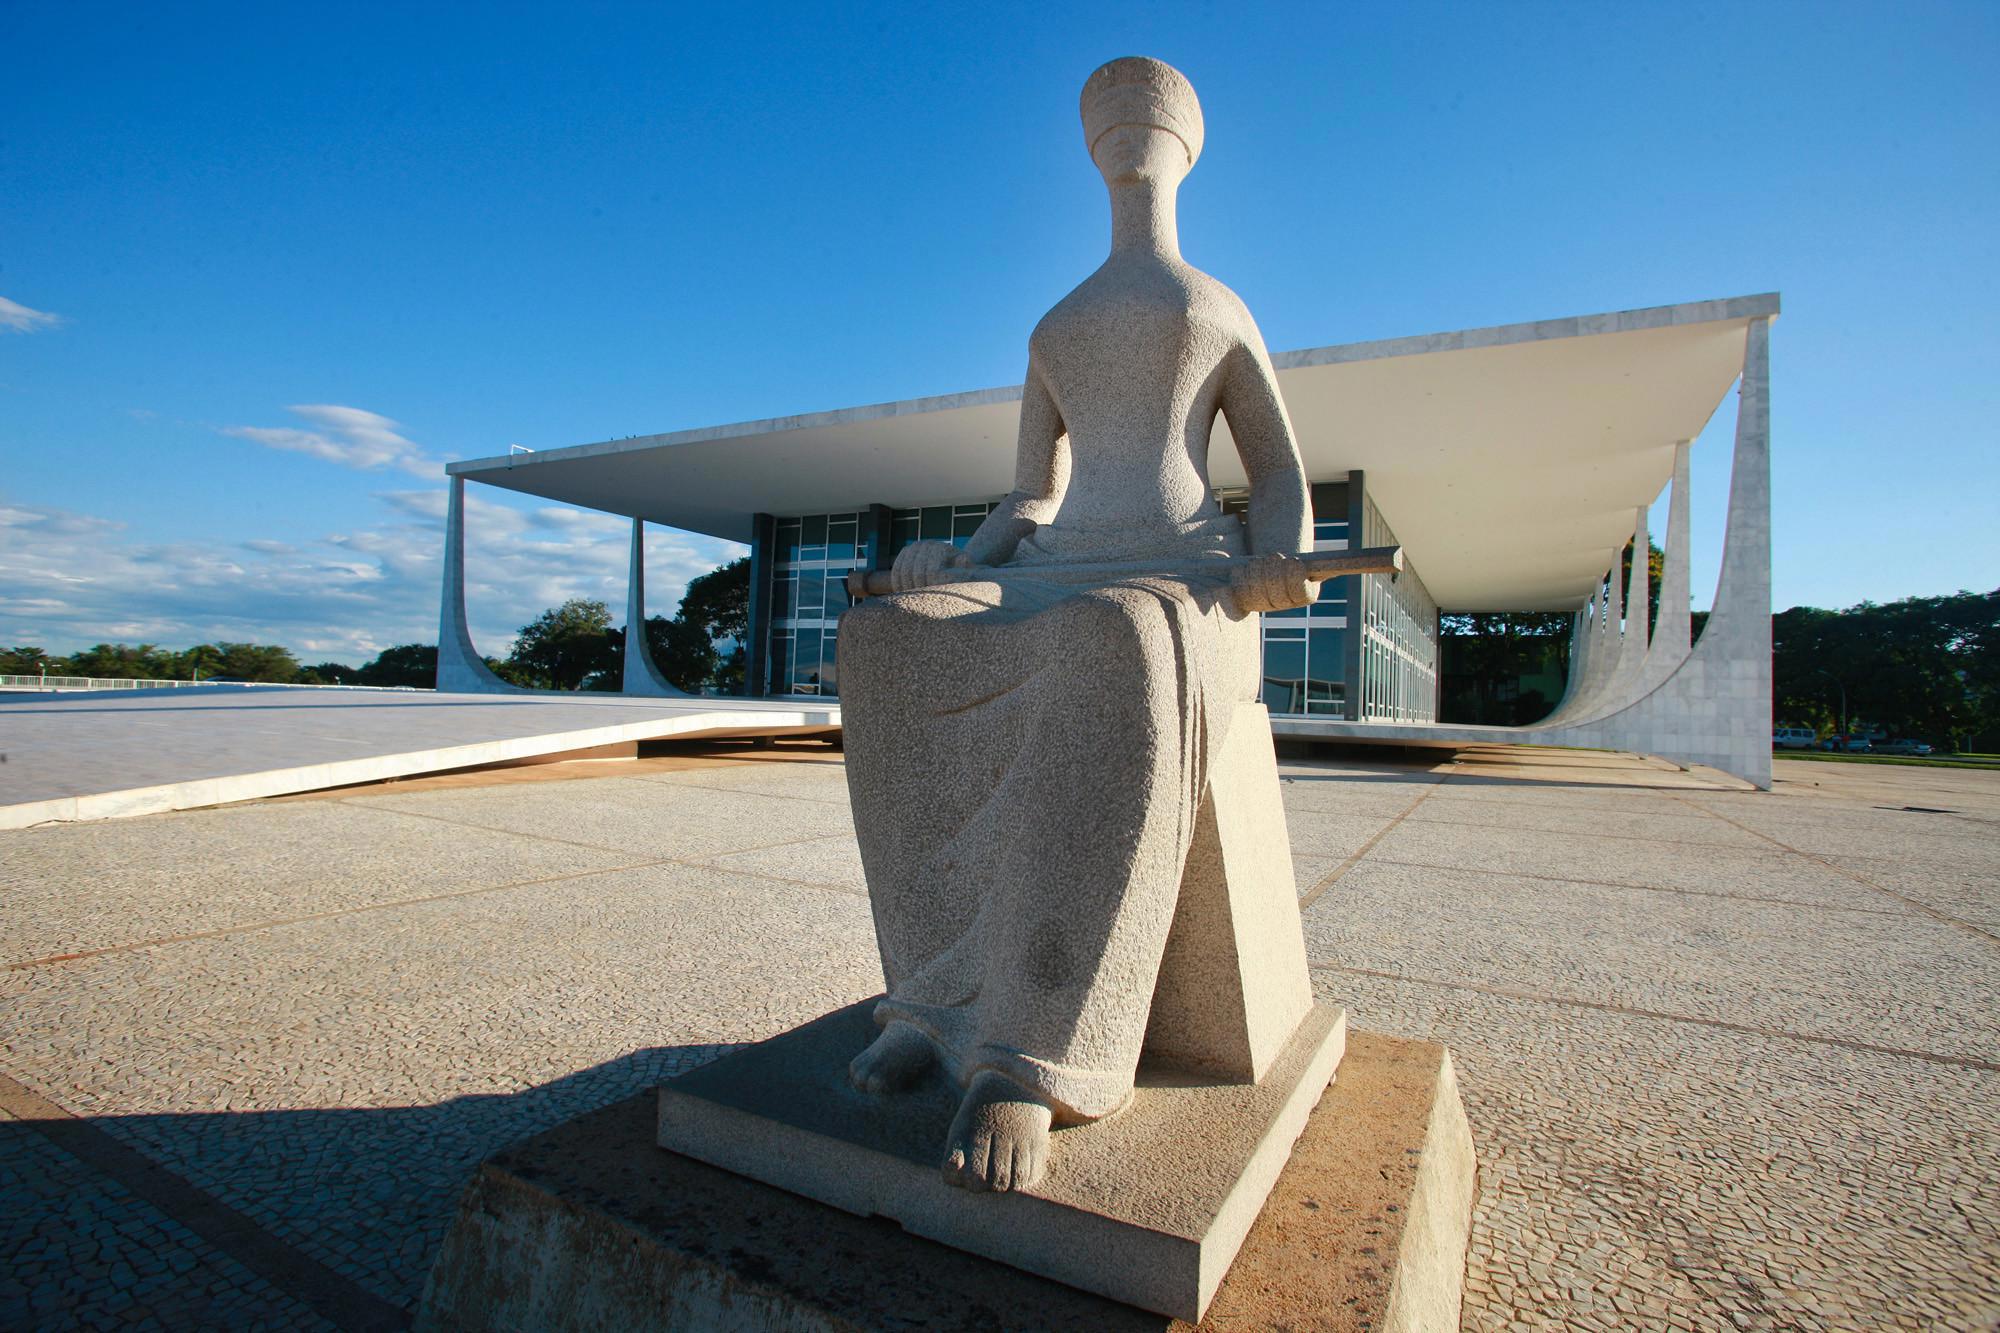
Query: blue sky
x=263 y=267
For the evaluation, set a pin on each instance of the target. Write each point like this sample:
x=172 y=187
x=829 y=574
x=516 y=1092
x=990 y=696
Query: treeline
x=259 y=662
x=1923 y=667
x=570 y=647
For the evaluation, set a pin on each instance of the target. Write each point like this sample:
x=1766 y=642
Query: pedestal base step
x=592 y=1226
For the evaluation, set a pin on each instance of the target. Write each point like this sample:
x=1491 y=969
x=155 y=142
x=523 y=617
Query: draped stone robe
x=1026 y=761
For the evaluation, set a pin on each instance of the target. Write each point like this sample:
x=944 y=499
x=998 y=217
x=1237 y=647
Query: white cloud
x=350 y=436
x=17 y=318
x=70 y=580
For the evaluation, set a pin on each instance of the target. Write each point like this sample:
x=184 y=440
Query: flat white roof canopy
x=1508 y=460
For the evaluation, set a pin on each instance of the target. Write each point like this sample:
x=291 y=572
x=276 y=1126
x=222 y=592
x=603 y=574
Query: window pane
x=813 y=529
x=784 y=596
x=840 y=540
x=805 y=662
x=811 y=583
x=788 y=539
x=1284 y=675
x=964 y=524
x=937 y=523
x=1326 y=686
x=829 y=672
x=836 y=593
x=779 y=681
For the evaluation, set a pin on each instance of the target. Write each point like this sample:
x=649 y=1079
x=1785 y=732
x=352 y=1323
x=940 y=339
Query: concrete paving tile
x=1560 y=795
x=1804 y=969
x=1385 y=800
x=1693 y=1171
x=833 y=863
x=57 y=1214
x=636 y=816
x=1308 y=871
x=1746 y=872
x=1662 y=824
x=792 y=781
x=73 y=887
x=1329 y=836
x=338 y=1080
x=1969 y=894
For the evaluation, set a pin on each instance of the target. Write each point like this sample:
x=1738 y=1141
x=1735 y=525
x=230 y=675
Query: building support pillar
x=1671 y=640
x=1716 y=707
x=460 y=669
x=642 y=673
x=1621 y=682
x=757 y=652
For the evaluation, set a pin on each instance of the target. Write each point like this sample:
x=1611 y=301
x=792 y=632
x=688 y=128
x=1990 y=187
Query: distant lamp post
x=1822 y=671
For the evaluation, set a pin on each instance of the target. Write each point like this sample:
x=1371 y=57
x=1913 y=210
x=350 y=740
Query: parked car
x=1902 y=747
x=1792 y=738
x=1847 y=744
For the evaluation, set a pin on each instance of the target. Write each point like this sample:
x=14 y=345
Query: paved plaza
x=1729 y=1057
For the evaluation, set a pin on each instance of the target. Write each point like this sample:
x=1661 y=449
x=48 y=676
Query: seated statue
x=1027 y=754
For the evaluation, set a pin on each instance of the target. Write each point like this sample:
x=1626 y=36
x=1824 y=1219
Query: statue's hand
x=1272 y=583
x=921 y=564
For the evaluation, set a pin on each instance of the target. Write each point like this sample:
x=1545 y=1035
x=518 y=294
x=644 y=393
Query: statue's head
x=1141 y=120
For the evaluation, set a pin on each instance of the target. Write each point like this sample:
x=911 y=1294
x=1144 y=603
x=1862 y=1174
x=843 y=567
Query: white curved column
x=1671 y=631
x=1574 y=673
x=1583 y=640
x=460 y=668
x=1716 y=707
x=1604 y=650
x=642 y=673
x=1622 y=683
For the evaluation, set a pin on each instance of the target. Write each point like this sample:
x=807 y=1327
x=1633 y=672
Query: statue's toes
x=1000 y=1173
x=1029 y=1161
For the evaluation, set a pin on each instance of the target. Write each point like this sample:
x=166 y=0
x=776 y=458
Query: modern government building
x=1512 y=464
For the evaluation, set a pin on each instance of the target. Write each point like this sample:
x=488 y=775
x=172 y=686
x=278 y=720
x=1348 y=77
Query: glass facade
x=1305 y=649
x=1399 y=629
x=1309 y=654
x=807 y=591
x=806 y=584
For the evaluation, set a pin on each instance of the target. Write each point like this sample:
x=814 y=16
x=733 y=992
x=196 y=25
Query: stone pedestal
x=591 y=1226
x=1147 y=1206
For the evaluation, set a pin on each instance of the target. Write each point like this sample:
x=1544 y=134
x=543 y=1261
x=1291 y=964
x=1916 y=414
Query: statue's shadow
x=368 y=1192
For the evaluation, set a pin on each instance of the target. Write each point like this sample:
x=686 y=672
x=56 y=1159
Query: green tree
x=719 y=601
x=565 y=646
x=27 y=661
x=412 y=664
x=118 y=661
x=261 y=662
x=329 y=673
x=1927 y=667
x=683 y=650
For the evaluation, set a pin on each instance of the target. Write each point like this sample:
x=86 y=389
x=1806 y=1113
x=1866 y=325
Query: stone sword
x=1320 y=565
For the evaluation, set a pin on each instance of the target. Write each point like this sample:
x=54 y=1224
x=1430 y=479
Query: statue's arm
x=1280 y=504
x=1041 y=475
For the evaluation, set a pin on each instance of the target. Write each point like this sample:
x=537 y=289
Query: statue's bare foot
x=893 y=1061
x=1000 y=1138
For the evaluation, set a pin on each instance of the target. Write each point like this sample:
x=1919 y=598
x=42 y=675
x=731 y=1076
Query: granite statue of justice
x=1030 y=722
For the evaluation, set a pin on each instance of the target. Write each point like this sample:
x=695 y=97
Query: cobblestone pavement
x=1729 y=1057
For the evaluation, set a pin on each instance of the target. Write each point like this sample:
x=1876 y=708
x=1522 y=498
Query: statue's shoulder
x=1212 y=297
